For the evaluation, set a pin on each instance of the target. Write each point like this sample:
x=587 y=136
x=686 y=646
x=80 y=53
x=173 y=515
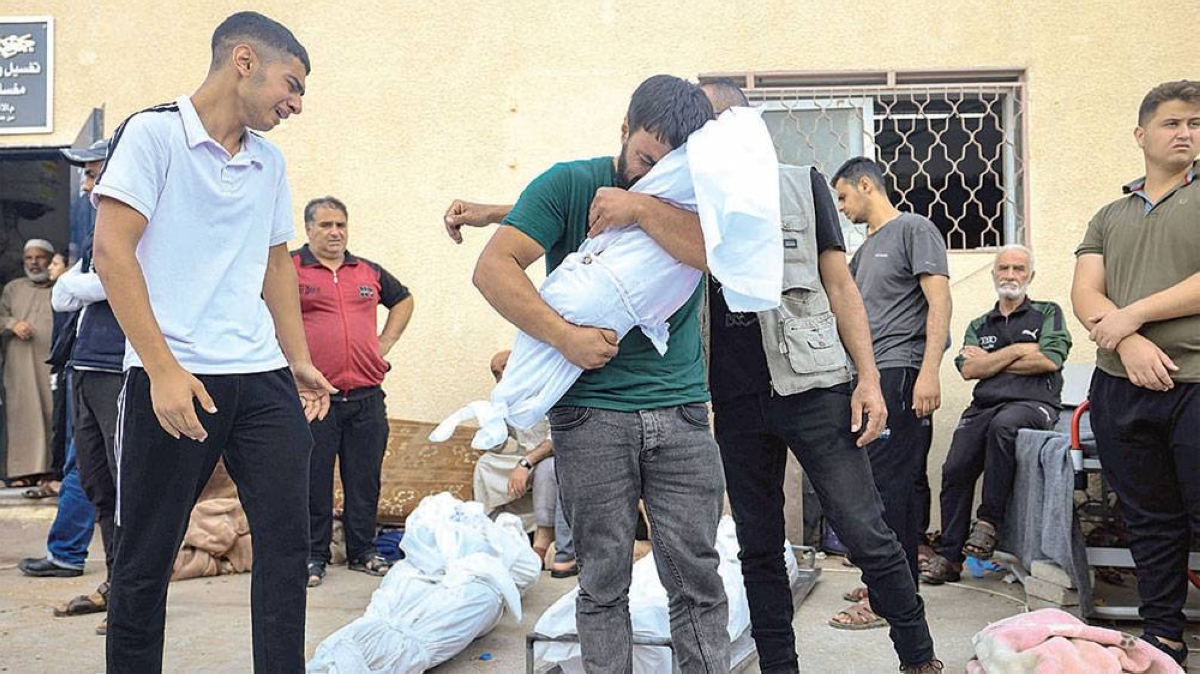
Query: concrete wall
x=413 y=104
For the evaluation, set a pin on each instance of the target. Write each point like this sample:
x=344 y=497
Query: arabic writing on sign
x=7 y=107
x=12 y=45
x=14 y=70
x=14 y=90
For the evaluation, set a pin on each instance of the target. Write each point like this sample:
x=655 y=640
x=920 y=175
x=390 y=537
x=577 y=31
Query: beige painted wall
x=412 y=104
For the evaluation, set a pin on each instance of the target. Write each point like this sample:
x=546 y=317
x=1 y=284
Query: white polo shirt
x=212 y=219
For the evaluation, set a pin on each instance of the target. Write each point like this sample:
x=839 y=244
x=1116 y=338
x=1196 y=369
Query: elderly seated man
x=1015 y=352
x=519 y=478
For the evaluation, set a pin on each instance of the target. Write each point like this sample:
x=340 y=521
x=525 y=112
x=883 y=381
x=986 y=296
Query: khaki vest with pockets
x=800 y=338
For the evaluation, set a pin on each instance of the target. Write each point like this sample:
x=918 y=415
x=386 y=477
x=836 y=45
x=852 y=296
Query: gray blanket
x=1040 y=523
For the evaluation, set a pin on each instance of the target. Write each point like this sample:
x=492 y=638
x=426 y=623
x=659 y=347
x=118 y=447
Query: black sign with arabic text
x=26 y=81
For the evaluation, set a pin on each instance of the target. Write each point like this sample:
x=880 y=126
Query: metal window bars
x=952 y=149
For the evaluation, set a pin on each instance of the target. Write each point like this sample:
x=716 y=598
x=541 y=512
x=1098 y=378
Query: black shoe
x=371 y=563
x=47 y=568
x=1179 y=655
x=316 y=573
x=573 y=570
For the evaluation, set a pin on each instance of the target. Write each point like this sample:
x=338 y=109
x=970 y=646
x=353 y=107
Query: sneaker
x=102 y=628
x=46 y=567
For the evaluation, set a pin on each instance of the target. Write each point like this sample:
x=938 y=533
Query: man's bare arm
x=470 y=214
x=677 y=230
x=397 y=321
x=119 y=228
x=855 y=333
x=500 y=276
x=927 y=395
x=1089 y=293
x=283 y=301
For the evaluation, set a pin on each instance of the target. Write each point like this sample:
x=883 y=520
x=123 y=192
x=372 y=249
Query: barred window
x=951 y=144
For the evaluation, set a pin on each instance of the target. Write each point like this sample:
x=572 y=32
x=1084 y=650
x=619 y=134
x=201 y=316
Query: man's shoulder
x=159 y=120
x=580 y=170
x=1046 y=307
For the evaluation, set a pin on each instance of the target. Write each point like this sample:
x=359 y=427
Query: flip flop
x=40 y=491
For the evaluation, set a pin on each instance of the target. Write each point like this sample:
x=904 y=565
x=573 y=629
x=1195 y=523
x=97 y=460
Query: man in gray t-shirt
x=902 y=273
x=888 y=269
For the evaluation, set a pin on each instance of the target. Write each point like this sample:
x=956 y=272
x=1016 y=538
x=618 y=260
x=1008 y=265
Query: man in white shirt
x=195 y=263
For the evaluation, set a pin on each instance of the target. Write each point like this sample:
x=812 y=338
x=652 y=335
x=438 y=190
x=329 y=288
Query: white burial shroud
x=622 y=279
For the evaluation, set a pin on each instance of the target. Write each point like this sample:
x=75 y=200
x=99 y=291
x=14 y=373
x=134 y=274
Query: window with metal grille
x=950 y=143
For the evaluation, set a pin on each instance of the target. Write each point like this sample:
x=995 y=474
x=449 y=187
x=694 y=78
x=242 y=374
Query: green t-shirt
x=553 y=210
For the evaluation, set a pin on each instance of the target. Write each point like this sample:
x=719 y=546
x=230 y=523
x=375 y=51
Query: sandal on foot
x=856 y=595
x=857 y=617
x=96 y=602
x=981 y=544
x=371 y=563
x=940 y=570
x=40 y=491
x=924 y=554
x=316 y=573
x=541 y=553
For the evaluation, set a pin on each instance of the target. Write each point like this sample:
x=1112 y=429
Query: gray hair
x=1014 y=246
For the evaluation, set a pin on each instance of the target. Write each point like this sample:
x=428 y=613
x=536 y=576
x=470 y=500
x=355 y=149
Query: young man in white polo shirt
x=191 y=244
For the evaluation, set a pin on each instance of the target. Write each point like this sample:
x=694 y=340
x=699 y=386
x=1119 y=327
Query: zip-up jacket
x=99 y=342
x=339 y=309
x=1039 y=323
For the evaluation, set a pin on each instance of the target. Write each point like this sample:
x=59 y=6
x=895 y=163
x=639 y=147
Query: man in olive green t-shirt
x=1137 y=289
x=635 y=424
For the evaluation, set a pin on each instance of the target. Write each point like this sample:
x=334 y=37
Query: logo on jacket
x=1031 y=333
x=366 y=291
x=988 y=342
x=306 y=289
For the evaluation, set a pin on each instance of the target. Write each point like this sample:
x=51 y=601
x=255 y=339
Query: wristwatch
x=524 y=463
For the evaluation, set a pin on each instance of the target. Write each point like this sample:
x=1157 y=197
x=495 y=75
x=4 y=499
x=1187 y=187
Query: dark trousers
x=260 y=431
x=60 y=429
x=754 y=433
x=898 y=460
x=355 y=433
x=984 y=443
x=1149 y=445
x=96 y=396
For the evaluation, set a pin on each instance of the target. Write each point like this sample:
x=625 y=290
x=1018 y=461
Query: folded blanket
x=1050 y=641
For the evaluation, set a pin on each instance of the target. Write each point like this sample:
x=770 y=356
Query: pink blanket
x=1050 y=641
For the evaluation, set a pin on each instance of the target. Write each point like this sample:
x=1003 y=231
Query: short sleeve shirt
x=738 y=365
x=1148 y=248
x=887 y=269
x=553 y=211
x=211 y=220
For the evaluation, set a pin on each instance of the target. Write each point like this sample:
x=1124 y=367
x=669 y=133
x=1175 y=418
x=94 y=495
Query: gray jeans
x=606 y=461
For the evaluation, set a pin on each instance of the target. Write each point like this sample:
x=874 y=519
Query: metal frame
x=806 y=579
x=776 y=89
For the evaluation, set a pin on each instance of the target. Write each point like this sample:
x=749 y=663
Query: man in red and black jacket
x=339 y=296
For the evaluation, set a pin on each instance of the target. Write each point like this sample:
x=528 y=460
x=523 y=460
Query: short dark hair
x=255 y=28
x=668 y=107
x=857 y=168
x=724 y=94
x=310 y=209
x=1180 y=90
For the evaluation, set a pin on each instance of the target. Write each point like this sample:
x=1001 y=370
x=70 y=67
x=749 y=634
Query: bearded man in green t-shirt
x=635 y=424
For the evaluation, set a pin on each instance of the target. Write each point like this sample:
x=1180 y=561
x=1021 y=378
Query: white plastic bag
x=460 y=573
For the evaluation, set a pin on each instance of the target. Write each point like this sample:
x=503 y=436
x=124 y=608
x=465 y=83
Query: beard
x=1012 y=292
x=622 y=179
x=42 y=276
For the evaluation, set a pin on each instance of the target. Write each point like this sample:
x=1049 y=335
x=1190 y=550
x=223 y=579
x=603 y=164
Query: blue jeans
x=75 y=522
x=755 y=433
x=606 y=461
